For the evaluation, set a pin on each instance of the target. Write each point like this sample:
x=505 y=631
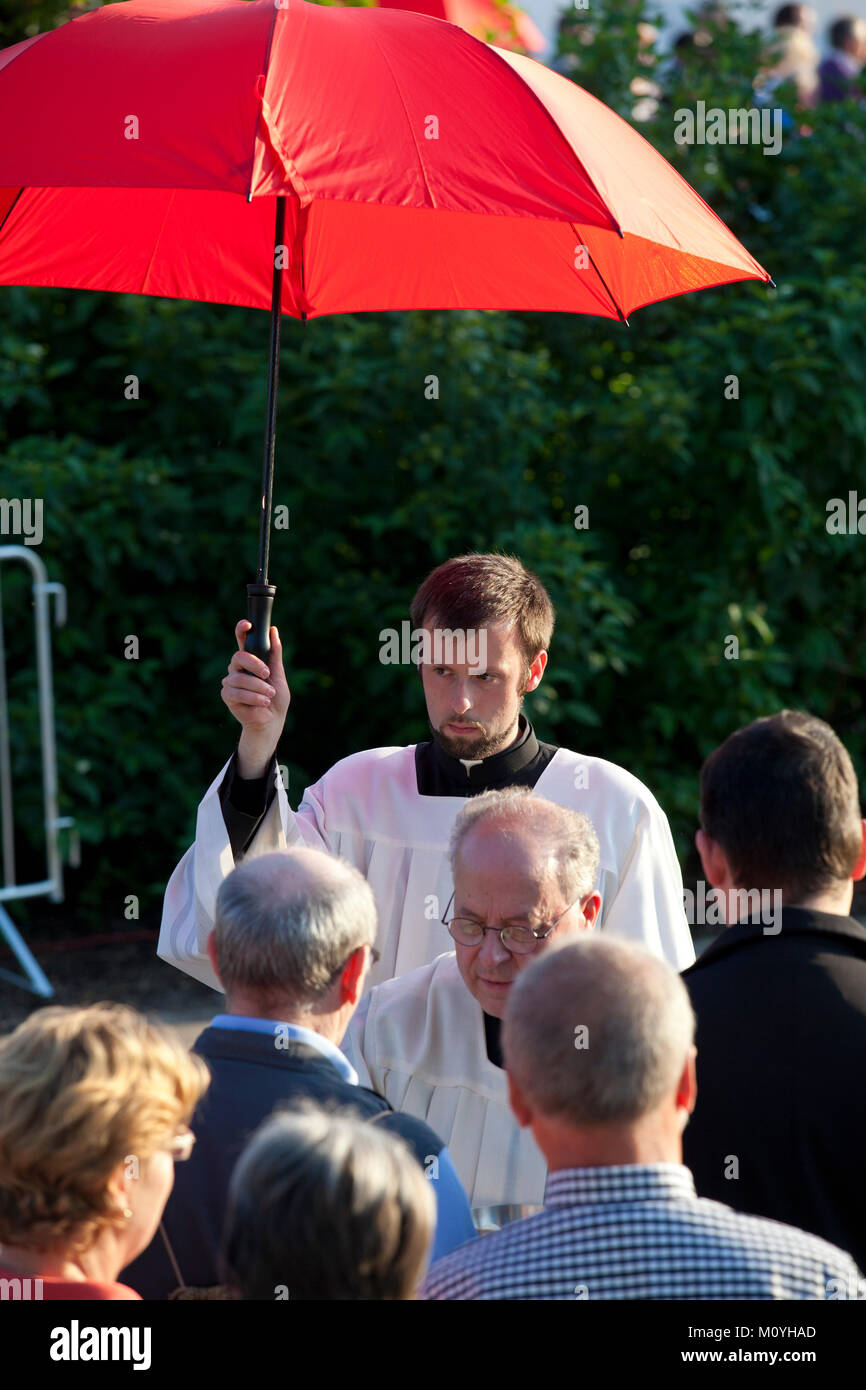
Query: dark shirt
x=493 y=1039
x=837 y=83
x=250 y=1078
x=779 y=1129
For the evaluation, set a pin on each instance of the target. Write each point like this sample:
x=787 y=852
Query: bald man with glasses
x=524 y=875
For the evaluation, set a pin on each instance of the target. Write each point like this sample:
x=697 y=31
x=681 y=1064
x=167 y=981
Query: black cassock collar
x=492 y=1039
x=521 y=765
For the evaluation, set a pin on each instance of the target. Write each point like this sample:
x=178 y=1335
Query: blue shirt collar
x=290 y=1031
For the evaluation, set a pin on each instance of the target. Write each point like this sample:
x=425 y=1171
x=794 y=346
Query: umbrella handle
x=260 y=599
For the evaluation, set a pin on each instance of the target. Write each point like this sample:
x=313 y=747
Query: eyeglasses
x=520 y=941
x=181 y=1146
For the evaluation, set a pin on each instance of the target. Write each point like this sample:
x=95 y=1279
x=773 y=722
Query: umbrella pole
x=260 y=596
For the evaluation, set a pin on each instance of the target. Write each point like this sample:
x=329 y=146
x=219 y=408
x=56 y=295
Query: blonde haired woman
x=95 y=1105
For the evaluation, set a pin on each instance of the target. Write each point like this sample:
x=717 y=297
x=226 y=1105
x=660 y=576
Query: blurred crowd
x=797 y=57
x=825 y=71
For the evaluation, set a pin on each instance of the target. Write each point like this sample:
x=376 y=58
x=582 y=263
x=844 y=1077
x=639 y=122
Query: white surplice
x=419 y=1041
x=368 y=810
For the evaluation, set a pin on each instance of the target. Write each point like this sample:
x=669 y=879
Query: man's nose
x=461 y=702
x=491 y=951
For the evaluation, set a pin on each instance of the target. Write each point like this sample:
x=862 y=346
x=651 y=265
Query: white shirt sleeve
x=647 y=904
x=190 y=898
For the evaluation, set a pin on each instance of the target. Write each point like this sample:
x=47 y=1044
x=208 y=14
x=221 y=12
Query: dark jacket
x=250 y=1077
x=781 y=1040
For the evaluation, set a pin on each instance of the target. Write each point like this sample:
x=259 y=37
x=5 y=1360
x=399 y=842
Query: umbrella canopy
x=507 y=25
x=419 y=168
x=317 y=160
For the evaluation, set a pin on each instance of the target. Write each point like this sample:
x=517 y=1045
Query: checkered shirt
x=641 y=1231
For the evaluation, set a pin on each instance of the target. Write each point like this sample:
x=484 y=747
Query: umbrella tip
x=771 y=282
x=249 y=197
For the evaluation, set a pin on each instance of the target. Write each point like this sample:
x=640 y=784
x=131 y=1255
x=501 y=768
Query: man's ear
x=210 y=947
x=687 y=1089
x=536 y=671
x=522 y=1111
x=859 y=870
x=592 y=907
x=352 y=978
x=713 y=860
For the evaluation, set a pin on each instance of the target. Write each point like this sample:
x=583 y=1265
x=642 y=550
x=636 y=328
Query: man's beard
x=482 y=746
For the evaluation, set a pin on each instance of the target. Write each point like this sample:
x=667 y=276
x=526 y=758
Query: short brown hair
x=81 y=1090
x=780 y=797
x=476 y=591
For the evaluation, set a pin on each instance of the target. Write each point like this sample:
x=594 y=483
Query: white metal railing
x=52 y=886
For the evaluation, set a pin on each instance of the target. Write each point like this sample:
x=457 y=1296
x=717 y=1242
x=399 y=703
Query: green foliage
x=707 y=514
x=21 y=19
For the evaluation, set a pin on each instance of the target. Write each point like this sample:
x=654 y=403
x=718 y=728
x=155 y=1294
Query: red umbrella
x=403 y=163
x=508 y=25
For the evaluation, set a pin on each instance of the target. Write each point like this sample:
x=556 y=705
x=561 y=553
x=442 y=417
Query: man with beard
x=390 y=811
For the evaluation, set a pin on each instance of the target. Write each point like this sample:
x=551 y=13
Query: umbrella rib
x=10 y=208
x=515 y=74
x=158 y=239
x=600 y=276
x=260 y=116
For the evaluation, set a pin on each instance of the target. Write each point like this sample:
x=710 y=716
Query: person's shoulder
x=767 y=1239
x=460 y=1274
x=86 y=1290
x=758 y=945
x=122 y=1293
x=479 y=1269
x=421 y=1137
x=583 y=778
x=362 y=772
x=404 y=1015
x=418 y=985
x=369 y=761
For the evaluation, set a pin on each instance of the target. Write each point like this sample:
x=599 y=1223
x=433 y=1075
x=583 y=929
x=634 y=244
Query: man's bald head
x=286 y=922
x=597 y=1032
x=538 y=836
x=519 y=862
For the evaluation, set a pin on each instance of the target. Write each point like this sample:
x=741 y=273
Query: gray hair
x=558 y=832
x=327 y=1205
x=597 y=1031
x=286 y=922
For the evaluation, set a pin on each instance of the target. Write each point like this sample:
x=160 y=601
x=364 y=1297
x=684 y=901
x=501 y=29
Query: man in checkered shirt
x=598 y=1041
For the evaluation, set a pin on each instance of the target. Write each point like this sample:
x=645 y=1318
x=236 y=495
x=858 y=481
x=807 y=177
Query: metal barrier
x=33 y=978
